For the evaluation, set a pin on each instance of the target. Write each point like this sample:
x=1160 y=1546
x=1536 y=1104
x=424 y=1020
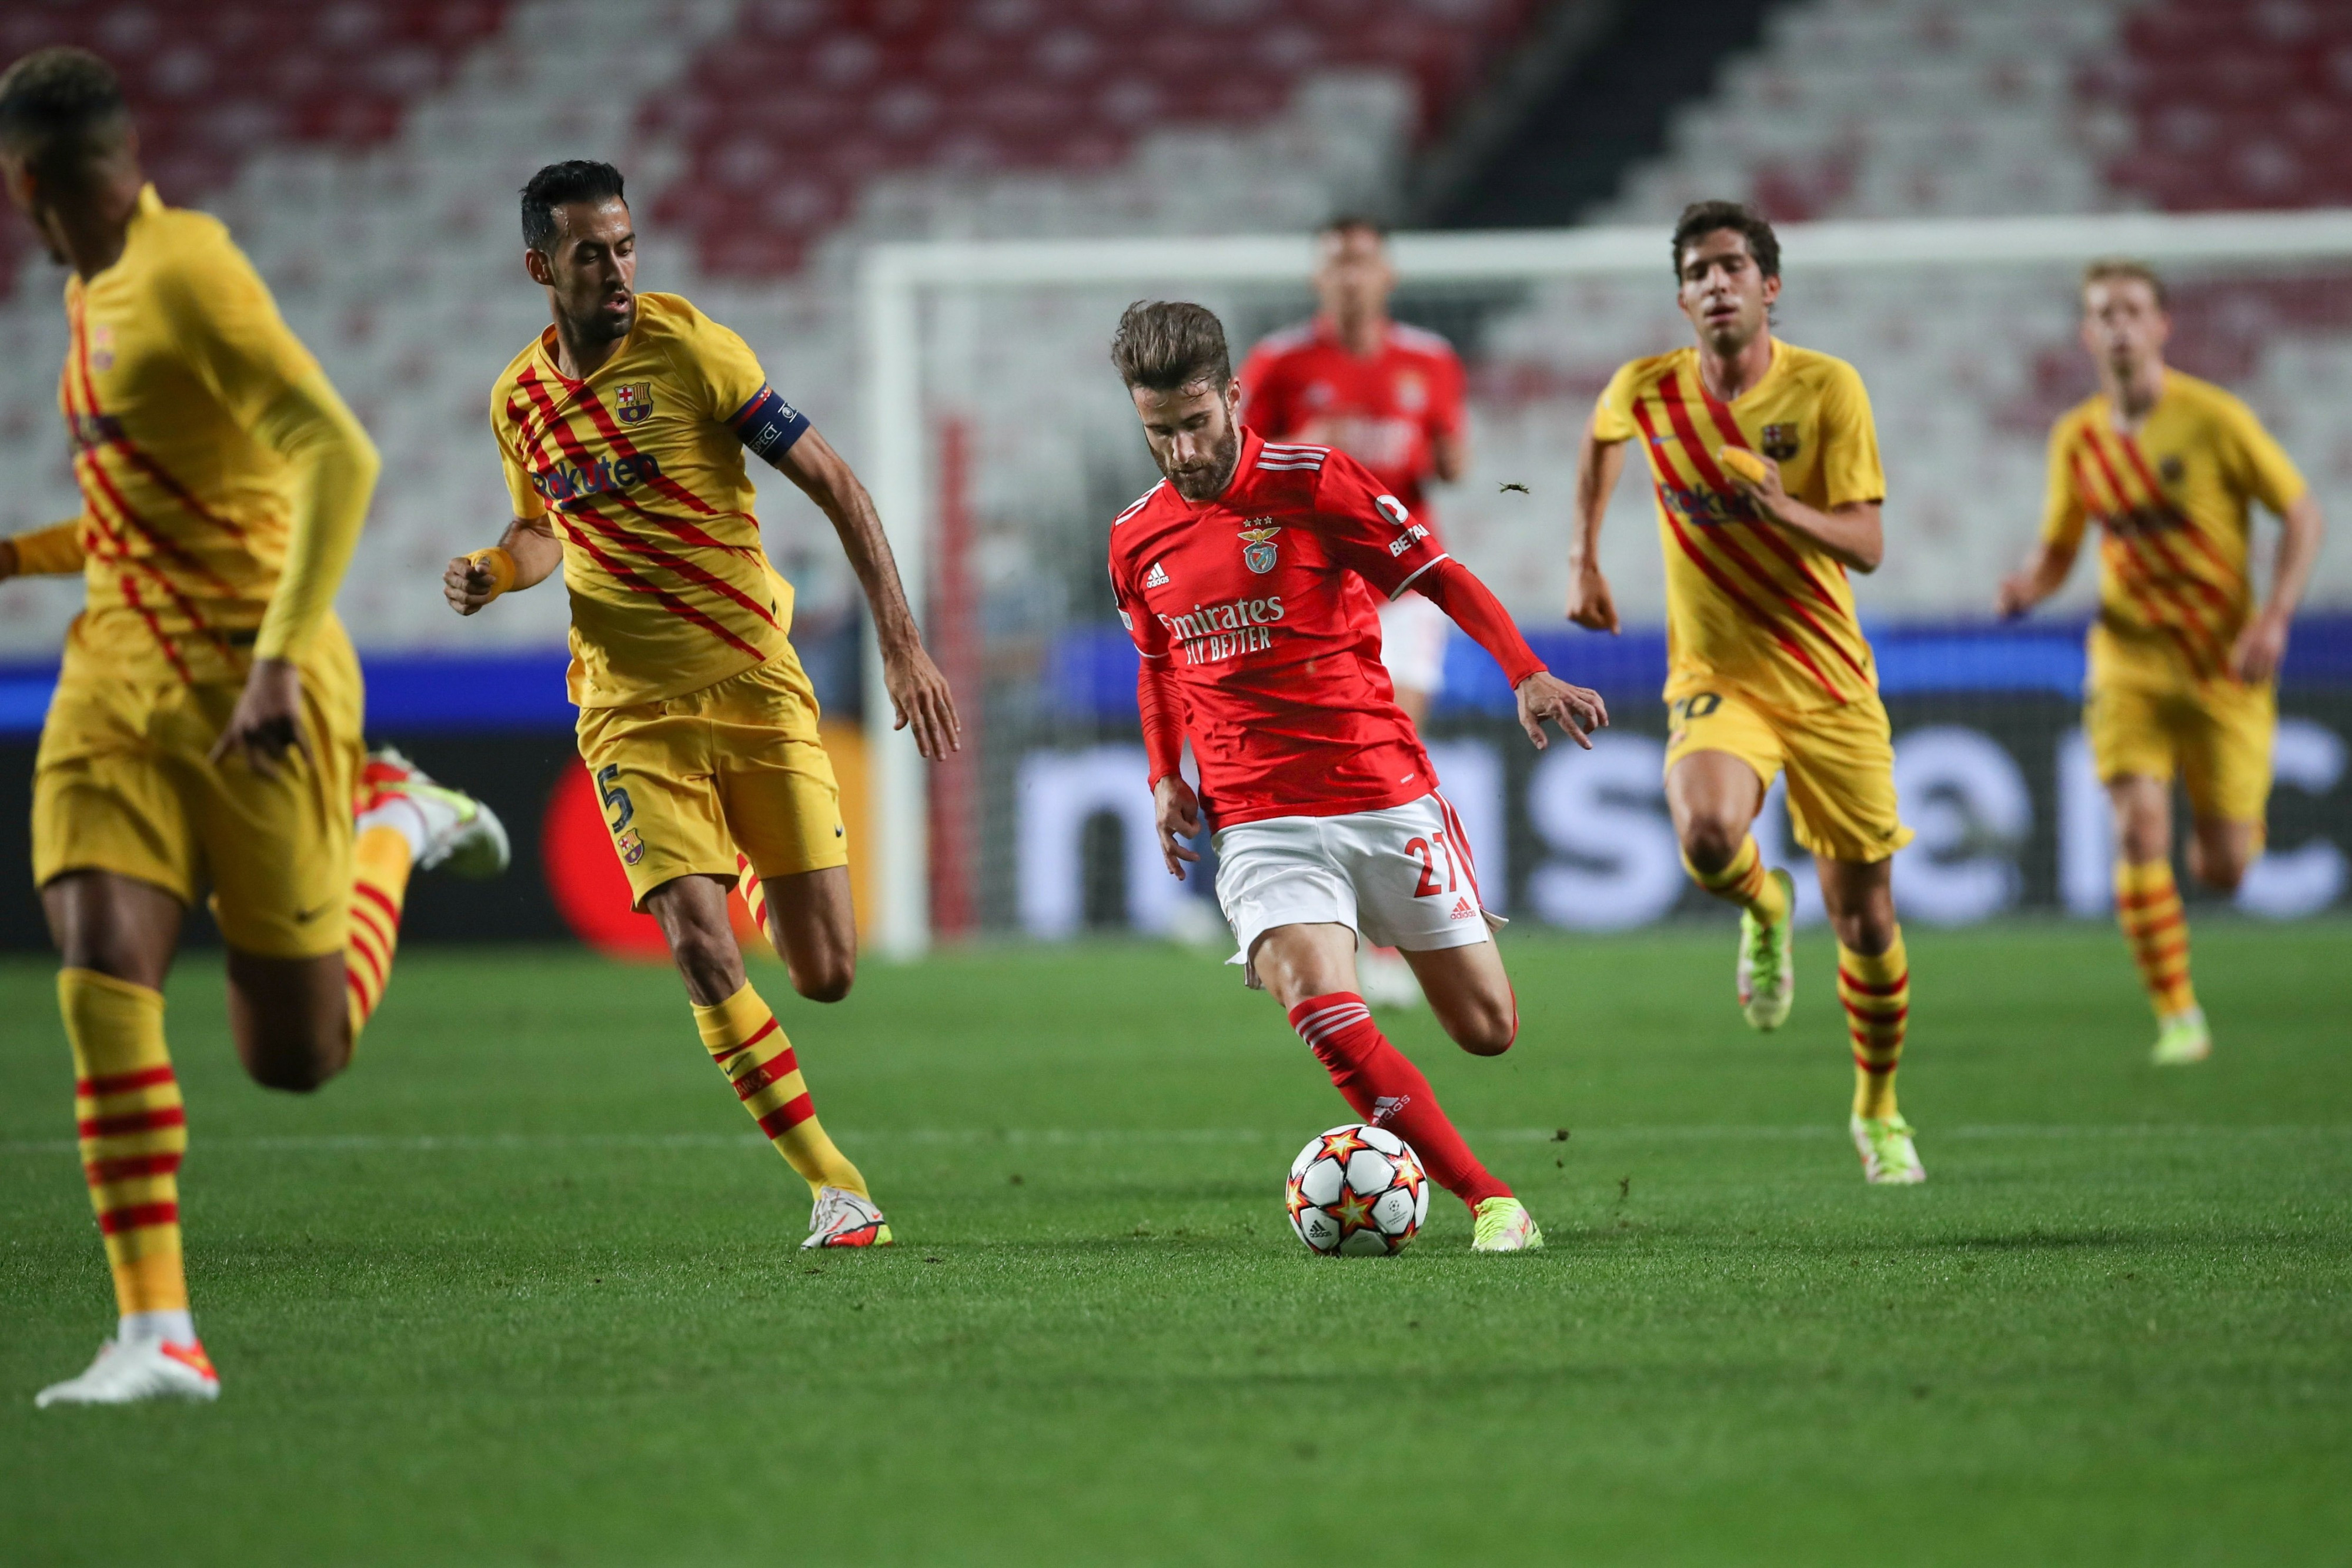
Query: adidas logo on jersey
x=1463 y=910
x=1157 y=576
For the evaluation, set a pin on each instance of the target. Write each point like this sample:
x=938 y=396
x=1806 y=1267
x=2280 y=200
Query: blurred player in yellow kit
x=623 y=429
x=2183 y=664
x=206 y=728
x=1764 y=463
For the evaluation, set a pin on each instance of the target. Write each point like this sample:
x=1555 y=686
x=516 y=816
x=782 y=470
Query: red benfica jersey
x=1303 y=384
x=1261 y=602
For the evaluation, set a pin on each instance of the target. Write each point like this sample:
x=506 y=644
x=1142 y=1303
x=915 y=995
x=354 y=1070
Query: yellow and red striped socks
x=748 y=1045
x=133 y=1131
x=1877 y=991
x=381 y=858
x=1745 y=882
x=2148 y=906
x=1388 y=1090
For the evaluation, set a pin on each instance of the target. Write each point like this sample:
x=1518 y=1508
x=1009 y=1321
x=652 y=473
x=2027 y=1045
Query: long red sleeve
x=1163 y=719
x=1455 y=589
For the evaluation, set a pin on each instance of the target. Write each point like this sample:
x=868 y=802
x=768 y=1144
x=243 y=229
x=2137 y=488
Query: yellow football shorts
x=686 y=781
x=122 y=783
x=2217 y=734
x=1840 y=761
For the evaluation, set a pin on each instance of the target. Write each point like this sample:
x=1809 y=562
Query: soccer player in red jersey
x=1389 y=396
x=1248 y=579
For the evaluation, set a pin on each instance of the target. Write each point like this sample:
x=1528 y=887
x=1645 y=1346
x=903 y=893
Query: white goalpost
x=898 y=279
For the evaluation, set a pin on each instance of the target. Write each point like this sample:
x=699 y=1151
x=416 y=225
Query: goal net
x=1000 y=444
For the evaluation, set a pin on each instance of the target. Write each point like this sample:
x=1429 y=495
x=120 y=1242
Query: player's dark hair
x=559 y=186
x=60 y=109
x=2107 y=268
x=1701 y=219
x=1349 y=223
x=1168 y=345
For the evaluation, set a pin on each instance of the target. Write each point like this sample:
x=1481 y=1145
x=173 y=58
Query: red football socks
x=1387 y=1091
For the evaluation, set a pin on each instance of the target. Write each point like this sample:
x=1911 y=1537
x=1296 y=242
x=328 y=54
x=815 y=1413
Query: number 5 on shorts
x=616 y=798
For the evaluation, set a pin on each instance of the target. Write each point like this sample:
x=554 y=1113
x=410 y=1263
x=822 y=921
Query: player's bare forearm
x=2262 y=646
x=525 y=556
x=1176 y=813
x=917 y=690
x=2043 y=574
x=1449 y=455
x=1854 y=534
x=1598 y=464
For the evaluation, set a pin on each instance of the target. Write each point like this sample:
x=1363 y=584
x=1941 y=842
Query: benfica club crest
x=1257 y=550
x=632 y=401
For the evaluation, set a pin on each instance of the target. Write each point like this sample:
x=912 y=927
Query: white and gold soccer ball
x=1357 y=1189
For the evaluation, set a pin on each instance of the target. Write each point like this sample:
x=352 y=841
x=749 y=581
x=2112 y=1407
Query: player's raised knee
x=1711 y=842
x=1488 y=1029
x=824 y=978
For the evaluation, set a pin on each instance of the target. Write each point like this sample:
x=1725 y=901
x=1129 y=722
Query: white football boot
x=2183 y=1040
x=842 y=1219
x=1767 y=970
x=452 y=830
x=142 y=1369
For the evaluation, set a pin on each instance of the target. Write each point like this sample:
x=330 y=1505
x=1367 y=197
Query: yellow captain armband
x=501 y=566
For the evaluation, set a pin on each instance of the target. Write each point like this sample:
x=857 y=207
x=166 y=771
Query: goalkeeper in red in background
x=1390 y=397
x=2184 y=663
x=1249 y=578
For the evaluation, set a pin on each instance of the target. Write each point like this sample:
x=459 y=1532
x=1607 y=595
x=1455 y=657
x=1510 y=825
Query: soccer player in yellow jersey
x=623 y=428
x=2183 y=664
x=206 y=728
x=1764 y=463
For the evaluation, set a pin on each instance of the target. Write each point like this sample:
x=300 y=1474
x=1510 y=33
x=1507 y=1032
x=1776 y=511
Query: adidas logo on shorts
x=1462 y=910
x=1157 y=576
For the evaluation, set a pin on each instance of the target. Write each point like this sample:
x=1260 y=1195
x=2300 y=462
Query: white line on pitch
x=428 y=1143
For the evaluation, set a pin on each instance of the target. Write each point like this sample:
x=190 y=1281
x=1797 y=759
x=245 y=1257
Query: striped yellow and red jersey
x=1750 y=604
x=639 y=470
x=2172 y=503
x=183 y=392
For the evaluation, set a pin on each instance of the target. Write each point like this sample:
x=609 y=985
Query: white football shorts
x=1398 y=878
x=1413 y=634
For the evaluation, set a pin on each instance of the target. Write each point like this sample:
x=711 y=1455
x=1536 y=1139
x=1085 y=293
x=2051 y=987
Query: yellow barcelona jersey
x=639 y=470
x=193 y=412
x=1747 y=601
x=2171 y=500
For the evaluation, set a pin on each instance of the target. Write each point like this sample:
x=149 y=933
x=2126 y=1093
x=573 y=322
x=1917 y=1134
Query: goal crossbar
x=895 y=278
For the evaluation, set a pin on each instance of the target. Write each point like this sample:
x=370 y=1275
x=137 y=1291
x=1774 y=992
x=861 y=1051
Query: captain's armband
x=768 y=425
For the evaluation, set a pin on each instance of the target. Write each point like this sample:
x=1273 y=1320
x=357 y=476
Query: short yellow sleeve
x=2256 y=462
x=521 y=492
x=1612 y=415
x=228 y=327
x=718 y=367
x=2063 y=517
x=1849 y=465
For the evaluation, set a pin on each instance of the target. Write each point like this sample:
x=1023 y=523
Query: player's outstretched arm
x=524 y=556
x=2043 y=574
x=1598 y=464
x=2262 y=647
x=1542 y=697
x=917 y=690
x=52 y=551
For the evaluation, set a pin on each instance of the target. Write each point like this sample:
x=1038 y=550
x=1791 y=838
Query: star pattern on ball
x=1354 y=1211
x=1338 y=1146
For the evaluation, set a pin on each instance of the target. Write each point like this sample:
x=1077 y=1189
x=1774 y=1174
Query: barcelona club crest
x=1257 y=550
x=632 y=401
x=1780 y=442
x=633 y=848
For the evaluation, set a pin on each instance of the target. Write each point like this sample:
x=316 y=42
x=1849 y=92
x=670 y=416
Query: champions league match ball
x=1357 y=1189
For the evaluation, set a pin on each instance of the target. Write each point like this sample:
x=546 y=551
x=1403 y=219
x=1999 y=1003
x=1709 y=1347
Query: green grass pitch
x=523 y=1288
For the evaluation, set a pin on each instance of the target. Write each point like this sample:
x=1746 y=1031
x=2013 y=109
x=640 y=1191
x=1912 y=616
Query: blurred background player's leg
x=2148 y=909
x=405 y=820
x=1875 y=985
x=117 y=935
x=1713 y=797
